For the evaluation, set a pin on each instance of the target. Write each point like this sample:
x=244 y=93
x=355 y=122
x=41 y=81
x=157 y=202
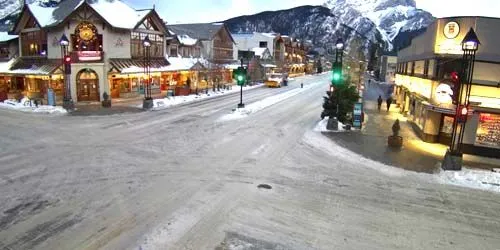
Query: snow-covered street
x=180 y=178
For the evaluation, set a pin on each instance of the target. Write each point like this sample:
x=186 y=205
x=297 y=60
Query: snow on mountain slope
x=390 y=16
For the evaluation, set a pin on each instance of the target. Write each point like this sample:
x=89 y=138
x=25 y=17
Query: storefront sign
x=451 y=30
x=357 y=115
x=89 y=56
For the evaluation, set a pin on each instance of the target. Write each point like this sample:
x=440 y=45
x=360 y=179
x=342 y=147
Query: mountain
x=315 y=23
x=395 y=19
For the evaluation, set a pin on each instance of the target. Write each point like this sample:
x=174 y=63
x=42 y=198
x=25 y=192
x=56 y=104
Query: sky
x=191 y=11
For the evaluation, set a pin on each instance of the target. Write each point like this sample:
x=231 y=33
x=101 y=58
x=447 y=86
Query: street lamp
x=453 y=158
x=66 y=63
x=148 y=100
x=339 y=44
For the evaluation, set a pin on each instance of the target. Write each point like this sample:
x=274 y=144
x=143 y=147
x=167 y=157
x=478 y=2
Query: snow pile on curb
x=160 y=104
x=321 y=127
x=471 y=178
x=262 y=104
x=20 y=106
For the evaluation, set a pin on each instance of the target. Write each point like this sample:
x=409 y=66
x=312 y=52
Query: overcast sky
x=188 y=11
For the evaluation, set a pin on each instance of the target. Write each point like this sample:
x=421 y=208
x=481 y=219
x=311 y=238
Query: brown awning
x=136 y=65
x=35 y=66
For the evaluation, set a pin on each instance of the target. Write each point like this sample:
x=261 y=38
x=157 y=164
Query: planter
x=106 y=103
x=395 y=141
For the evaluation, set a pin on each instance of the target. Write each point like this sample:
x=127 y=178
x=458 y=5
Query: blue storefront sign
x=357 y=115
x=51 y=97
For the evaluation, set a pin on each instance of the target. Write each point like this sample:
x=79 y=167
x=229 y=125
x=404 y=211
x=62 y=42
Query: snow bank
x=160 y=104
x=24 y=106
x=471 y=178
x=262 y=104
x=321 y=127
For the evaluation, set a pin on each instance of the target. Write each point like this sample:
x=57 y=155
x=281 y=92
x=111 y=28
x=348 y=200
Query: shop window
x=488 y=131
x=447 y=127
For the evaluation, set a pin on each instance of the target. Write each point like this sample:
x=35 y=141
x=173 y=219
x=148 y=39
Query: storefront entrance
x=87 y=84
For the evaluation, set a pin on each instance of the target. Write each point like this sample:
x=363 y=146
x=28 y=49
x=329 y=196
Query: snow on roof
x=44 y=15
x=4 y=37
x=116 y=13
x=119 y=14
x=187 y=40
x=181 y=63
x=259 y=51
x=5 y=66
x=272 y=35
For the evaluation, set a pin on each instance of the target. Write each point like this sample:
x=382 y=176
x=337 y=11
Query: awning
x=34 y=66
x=128 y=66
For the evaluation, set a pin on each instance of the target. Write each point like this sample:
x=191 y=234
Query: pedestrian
x=369 y=82
x=388 y=102
x=379 y=102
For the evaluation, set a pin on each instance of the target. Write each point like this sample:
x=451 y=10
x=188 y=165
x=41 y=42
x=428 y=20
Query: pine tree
x=346 y=96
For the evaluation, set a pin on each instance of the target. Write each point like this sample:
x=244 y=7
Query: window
x=488 y=131
x=173 y=51
x=34 y=43
x=137 y=47
x=197 y=52
x=262 y=44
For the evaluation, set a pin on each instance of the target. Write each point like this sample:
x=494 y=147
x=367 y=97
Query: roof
x=181 y=63
x=34 y=66
x=128 y=66
x=5 y=37
x=201 y=31
x=259 y=51
x=120 y=16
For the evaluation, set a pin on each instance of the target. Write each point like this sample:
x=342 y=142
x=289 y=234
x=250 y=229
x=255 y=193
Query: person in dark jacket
x=388 y=102
x=379 y=102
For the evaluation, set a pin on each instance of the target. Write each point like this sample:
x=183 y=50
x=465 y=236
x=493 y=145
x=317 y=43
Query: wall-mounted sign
x=451 y=30
x=86 y=56
x=444 y=93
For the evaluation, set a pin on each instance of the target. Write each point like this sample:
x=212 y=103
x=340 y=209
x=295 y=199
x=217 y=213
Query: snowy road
x=182 y=179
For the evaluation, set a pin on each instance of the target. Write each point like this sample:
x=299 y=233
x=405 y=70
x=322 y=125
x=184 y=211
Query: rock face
x=395 y=19
x=10 y=10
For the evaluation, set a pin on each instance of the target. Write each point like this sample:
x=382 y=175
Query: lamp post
x=148 y=100
x=339 y=53
x=453 y=158
x=66 y=63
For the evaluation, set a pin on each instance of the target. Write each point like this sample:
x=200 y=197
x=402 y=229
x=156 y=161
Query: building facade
x=423 y=76
x=388 y=68
x=107 y=55
x=217 y=46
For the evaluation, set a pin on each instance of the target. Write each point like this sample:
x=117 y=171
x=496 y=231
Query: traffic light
x=455 y=80
x=241 y=75
x=67 y=65
x=337 y=73
x=464 y=111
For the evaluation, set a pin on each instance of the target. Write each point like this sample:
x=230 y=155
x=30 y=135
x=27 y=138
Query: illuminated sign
x=451 y=30
x=89 y=56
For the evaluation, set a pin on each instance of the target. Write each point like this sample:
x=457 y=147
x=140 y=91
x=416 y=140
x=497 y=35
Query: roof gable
x=152 y=19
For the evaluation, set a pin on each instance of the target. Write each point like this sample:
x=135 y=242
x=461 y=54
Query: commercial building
x=424 y=86
x=388 y=68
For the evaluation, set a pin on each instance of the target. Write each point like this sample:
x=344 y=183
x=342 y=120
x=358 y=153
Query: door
x=87 y=86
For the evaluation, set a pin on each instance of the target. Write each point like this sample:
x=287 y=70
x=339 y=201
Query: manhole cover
x=264 y=186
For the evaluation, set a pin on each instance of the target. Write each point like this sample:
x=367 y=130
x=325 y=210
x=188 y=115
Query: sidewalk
x=371 y=142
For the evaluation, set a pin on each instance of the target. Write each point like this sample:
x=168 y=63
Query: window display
x=447 y=125
x=488 y=132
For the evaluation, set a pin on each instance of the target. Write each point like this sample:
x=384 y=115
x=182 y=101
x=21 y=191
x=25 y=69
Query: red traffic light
x=67 y=59
x=464 y=111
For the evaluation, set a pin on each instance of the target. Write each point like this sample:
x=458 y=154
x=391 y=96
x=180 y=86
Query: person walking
x=388 y=102
x=379 y=102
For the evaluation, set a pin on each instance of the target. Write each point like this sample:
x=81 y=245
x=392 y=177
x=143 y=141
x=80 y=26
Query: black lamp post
x=453 y=158
x=148 y=100
x=66 y=63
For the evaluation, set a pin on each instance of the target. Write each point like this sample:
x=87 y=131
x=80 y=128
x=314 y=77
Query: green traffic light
x=240 y=78
x=336 y=77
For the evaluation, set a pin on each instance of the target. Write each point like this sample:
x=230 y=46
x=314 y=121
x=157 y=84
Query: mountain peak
x=390 y=16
